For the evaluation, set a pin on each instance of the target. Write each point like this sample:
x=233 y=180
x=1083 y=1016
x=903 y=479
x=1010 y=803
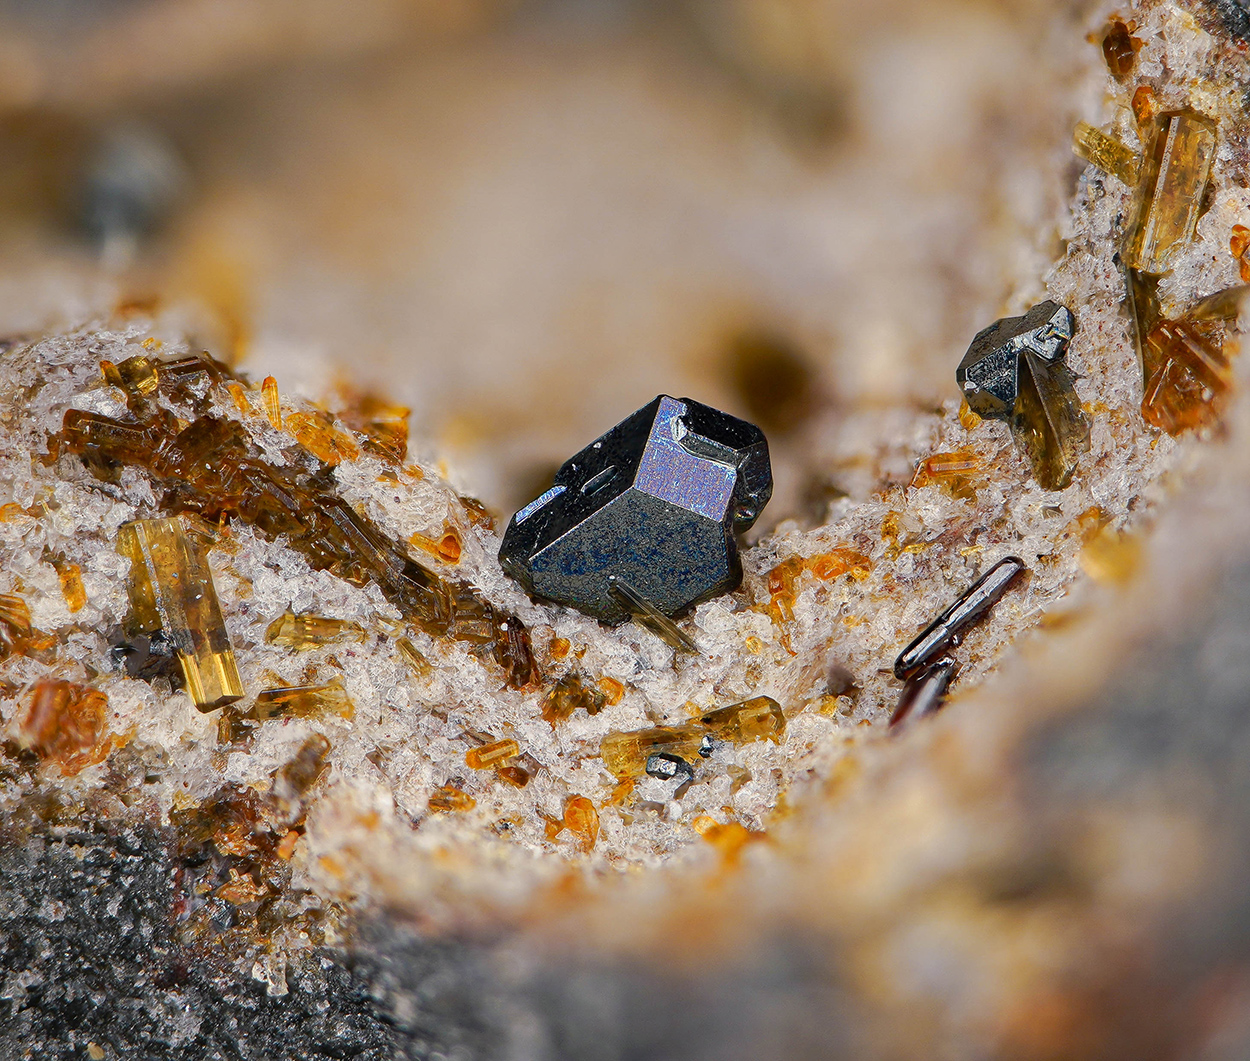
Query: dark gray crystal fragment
x=989 y=373
x=650 y=508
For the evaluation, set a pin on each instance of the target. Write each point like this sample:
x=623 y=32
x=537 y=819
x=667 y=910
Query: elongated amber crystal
x=72 y=589
x=1047 y=423
x=1107 y=153
x=1222 y=306
x=137 y=376
x=489 y=756
x=304 y=701
x=954 y=472
x=317 y=434
x=1186 y=377
x=760 y=718
x=1173 y=180
x=272 y=402
x=171 y=589
x=300 y=632
x=414 y=657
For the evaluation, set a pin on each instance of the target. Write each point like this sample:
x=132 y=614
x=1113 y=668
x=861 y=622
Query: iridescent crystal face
x=649 y=509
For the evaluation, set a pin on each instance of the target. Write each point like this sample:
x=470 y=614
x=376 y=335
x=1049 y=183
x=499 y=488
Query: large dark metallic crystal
x=1014 y=371
x=649 y=511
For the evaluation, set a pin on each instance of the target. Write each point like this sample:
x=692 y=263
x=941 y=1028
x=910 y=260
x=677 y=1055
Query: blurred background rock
x=524 y=219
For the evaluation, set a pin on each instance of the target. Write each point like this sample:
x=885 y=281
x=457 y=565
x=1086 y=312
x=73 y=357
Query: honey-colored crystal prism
x=759 y=718
x=171 y=589
x=1186 y=377
x=489 y=756
x=300 y=632
x=451 y=798
x=1107 y=153
x=304 y=701
x=1173 y=180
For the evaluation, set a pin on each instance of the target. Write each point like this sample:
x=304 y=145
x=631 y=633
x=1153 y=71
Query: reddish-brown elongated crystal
x=212 y=468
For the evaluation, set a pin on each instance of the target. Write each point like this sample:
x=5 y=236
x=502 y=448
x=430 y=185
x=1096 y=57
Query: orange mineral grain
x=580 y=819
x=451 y=798
x=1187 y=377
x=488 y=756
x=66 y=723
x=72 y=589
x=273 y=404
x=317 y=434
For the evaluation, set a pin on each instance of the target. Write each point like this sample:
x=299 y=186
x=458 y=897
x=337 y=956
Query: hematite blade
x=653 y=504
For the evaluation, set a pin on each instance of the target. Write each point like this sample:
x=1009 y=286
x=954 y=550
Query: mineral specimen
x=568 y=694
x=171 y=590
x=1173 y=180
x=1014 y=371
x=304 y=701
x=760 y=718
x=489 y=756
x=67 y=723
x=947 y=630
x=212 y=467
x=650 y=509
x=1119 y=49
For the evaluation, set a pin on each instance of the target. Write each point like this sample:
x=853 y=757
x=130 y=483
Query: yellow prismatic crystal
x=72 y=589
x=299 y=632
x=1222 y=306
x=759 y=718
x=171 y=589
x=1173 y=181
x=269 y=395
x=304 y=701
x=1107 y=153
x=414 y=657
x=489 y=756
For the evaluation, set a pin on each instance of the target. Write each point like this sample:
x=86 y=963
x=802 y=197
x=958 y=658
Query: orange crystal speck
x=491 y=755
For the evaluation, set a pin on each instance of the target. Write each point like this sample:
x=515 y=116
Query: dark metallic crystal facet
x=1014 y=371
x=648 y=512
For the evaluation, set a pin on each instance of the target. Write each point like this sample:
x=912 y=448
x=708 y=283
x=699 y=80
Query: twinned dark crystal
x=1014 y=371
x=641 y=523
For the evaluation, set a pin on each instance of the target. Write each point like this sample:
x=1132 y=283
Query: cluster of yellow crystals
x=171 y=589
x=760 y=718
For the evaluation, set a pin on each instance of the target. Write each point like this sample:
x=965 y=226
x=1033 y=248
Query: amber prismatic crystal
x=759 y=718
x=299 y=632
x=304 y=701
x=955 y=472
x=1187 y=376
x=1173 y=180
x=451 y=798
x=581 y=819
x=1107 y=153
x=489 y=756
x=171 y=589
